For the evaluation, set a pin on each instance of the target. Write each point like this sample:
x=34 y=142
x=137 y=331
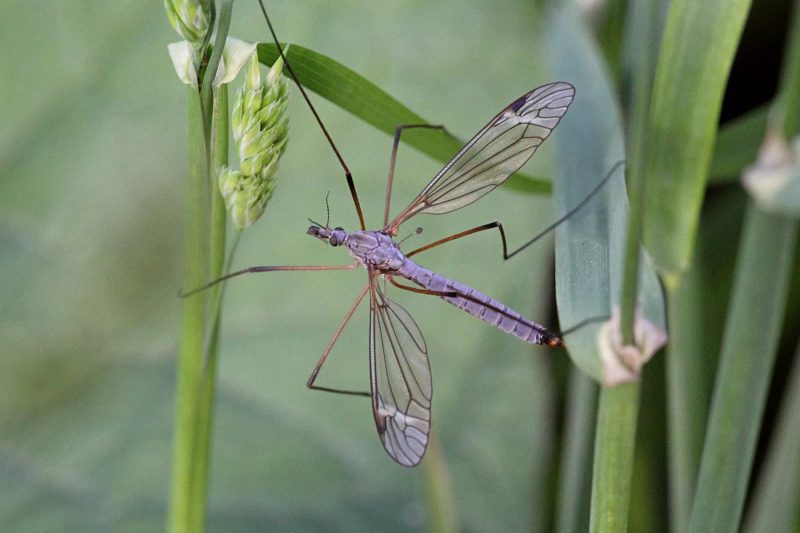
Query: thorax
x=375 y=249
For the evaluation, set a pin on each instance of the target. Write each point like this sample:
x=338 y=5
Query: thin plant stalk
x=207 y=85
x=687 y=398
x=439 y=501
x=644 y=28
x=613 y=457
x=644 y=17
x=575 y=468
x=619 y=406
x=190 y=358
x=207 y=384
x=205 y=252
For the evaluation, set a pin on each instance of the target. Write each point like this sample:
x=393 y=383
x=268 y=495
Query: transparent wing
x=495 y=152
x=400 y=379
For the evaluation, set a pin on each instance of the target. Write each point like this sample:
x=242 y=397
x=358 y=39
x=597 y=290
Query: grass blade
x=357 y=95
x=440 y=505
x=589 y=248
x=737 y=145
x=776 y=503
x=700 y=39
x=698 y=303
x=751 y=334
x=575 y=469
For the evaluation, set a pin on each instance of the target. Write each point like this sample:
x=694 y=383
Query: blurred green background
x=92 y=158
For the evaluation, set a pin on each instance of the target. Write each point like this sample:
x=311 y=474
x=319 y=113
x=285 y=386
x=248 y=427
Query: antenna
x=348 y=176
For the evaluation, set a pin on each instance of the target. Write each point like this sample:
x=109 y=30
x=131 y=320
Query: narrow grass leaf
x=698 y=303
x=697 y=50
x=737 y=145
x=357 y=95
x=748 y=352
x=572 y=507
x=440 y=505
x=776 y=503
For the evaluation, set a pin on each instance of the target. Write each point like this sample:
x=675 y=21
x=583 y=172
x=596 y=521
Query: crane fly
x=400 y=375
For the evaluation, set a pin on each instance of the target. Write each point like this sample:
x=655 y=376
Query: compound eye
x=337 y=228
x=334 y=240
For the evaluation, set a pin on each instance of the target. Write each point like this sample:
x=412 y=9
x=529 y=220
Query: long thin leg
x=390 y=179
x=254 y=269
x=348 y=176
x=312 y=378
x=464 y=233
x=450 y=294
x=499 y=226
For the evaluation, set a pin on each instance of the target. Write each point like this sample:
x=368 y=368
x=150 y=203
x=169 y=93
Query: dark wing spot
x=519 y=102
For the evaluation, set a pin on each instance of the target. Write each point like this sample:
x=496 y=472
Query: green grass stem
x=642 y=27
x=613 y=457
x=205 y=256
x=190 y=359
x=207 y=384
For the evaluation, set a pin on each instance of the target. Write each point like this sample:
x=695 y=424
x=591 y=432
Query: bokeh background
x=92 y=152
x=92 y=172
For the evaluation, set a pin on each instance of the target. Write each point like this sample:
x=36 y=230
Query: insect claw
x=555 y=342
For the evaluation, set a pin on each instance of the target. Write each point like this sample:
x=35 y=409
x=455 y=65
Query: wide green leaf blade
x=589 y=247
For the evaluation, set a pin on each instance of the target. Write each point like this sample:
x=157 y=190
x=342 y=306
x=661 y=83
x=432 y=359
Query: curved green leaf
x=354 y=93
x=697 y=51
x=589 y=248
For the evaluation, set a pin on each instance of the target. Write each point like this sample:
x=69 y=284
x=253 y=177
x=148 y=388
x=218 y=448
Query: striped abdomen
x=479 y=305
